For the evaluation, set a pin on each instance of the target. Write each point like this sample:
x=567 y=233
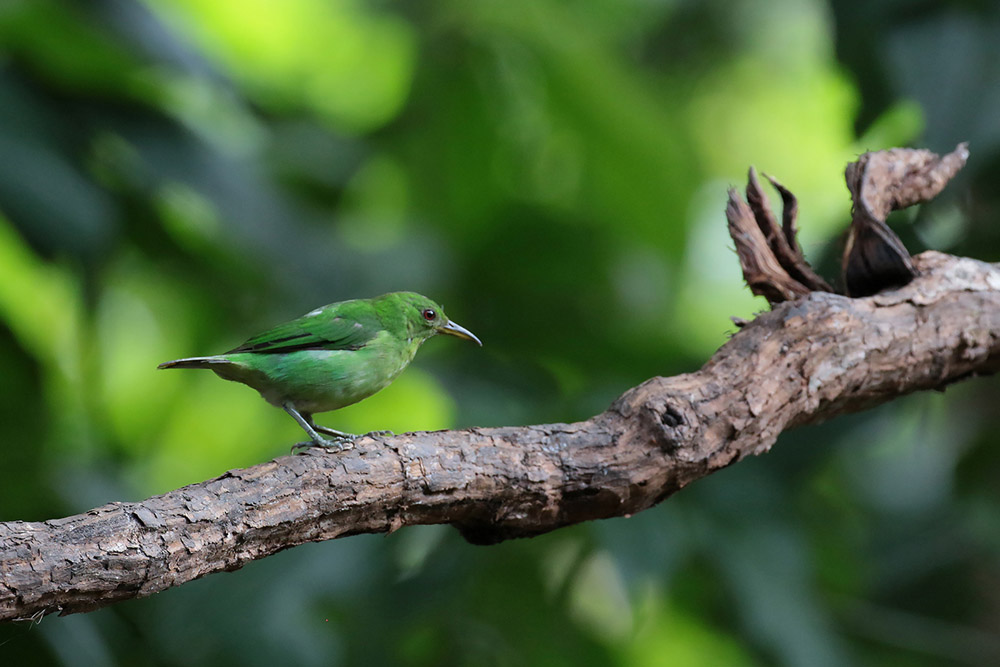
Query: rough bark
x=809 y=359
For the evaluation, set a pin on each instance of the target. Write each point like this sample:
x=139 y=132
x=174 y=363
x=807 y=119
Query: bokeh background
x=177 y=175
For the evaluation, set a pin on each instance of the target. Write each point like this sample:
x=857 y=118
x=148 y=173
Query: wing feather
x=334 y=327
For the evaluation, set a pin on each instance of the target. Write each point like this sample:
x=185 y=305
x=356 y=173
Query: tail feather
x=194 y=362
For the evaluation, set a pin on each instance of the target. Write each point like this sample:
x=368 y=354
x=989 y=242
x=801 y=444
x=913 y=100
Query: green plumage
x=333 y=356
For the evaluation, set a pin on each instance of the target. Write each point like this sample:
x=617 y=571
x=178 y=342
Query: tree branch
x=806 y=361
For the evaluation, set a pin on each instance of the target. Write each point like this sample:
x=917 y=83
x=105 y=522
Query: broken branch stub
x=880 y=183
x=782 y=241
x=762 y=271
x=874 y=258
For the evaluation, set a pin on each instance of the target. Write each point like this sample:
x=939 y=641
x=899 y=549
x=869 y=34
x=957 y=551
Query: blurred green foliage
x=175 y=176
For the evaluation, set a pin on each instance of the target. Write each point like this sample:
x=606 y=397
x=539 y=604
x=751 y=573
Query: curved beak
x=459 y=331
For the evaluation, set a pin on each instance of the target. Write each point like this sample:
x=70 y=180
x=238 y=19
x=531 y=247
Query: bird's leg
x=305 y=421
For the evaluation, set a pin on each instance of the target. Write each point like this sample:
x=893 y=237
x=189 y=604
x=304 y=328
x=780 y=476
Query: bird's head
x=426 y=318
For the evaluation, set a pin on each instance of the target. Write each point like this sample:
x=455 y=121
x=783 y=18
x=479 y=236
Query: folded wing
x=336 y=327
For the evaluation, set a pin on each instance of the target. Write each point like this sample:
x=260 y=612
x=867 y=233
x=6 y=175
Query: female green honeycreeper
x=333 y=356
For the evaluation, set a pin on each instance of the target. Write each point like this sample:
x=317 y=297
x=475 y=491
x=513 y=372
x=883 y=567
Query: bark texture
x=809 y=359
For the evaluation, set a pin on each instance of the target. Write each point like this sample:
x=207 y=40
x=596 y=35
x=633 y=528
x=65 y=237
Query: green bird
x=333 y=356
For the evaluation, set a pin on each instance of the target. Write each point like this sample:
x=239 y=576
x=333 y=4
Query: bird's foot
x=379 y=434
x=333 y=445
x=338 y=435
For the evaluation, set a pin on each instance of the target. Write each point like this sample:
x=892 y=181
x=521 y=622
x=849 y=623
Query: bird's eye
x=429 y=314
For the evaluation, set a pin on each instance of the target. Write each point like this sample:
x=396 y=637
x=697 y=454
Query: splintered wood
x=874 y=257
